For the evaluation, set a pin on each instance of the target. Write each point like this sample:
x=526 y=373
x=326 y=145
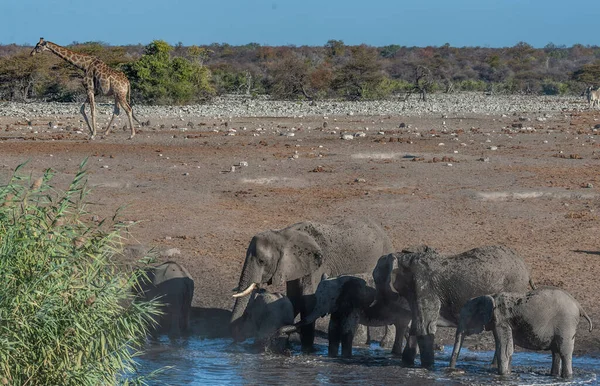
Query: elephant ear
x=301 y=256
x=382 y=274
x=477 y=313
x=386 y=268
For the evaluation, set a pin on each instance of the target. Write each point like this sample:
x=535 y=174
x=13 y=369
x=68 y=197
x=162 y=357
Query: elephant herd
x=350 y=271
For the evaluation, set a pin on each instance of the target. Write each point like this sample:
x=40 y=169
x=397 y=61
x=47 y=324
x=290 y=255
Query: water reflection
x=199 y=361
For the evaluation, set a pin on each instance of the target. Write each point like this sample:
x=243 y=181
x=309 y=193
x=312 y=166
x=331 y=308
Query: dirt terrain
x=529 y=181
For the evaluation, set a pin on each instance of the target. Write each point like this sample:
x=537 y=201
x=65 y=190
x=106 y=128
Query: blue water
x=198 y=361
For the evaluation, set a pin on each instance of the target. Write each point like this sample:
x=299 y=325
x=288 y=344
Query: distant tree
x=18 y=76
x=320 y=80
x=361 y=76
x=290 y=78
x=588 y=73
x=389 y=51
x=335 y=48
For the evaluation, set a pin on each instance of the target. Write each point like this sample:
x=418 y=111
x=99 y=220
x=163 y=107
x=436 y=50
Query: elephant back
x=497 y=266
x=351 y=246
x=479 y=271
x=168 y=271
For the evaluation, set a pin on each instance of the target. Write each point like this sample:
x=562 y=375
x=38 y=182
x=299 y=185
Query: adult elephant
x=172 y=285
x=299 y=254
x=437 y=287
x=542 y=319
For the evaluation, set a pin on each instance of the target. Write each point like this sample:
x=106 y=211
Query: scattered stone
x=171 y=252
x=347 y=137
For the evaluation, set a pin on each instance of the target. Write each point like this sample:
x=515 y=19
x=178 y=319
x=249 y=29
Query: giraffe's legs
x=129 y=111
x=115 y=112
x=92 y=127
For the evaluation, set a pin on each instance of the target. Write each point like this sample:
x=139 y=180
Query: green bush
x=550 y=87
x=472 y=85
x=67 y=313
x=157 y=78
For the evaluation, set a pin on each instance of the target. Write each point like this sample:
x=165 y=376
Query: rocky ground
x=456 y=172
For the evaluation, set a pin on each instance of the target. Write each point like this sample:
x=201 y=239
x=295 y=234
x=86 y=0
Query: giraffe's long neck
x=81 y=61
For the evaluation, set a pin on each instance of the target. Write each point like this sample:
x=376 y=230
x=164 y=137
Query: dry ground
x=462 y=182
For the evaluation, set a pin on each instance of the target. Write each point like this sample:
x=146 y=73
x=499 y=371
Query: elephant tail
x=585 y=315
x=532 y=284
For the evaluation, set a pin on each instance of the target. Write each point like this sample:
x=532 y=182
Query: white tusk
x=245 y=292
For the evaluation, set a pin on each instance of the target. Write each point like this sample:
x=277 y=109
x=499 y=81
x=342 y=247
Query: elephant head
x=475 y=315
x=265 y=313
x=333 y=294
x=394 y=272
x=276 y=257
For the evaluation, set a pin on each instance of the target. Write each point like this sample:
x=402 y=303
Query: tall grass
x=67 y=314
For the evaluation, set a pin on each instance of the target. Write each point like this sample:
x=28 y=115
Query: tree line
x=164 y=74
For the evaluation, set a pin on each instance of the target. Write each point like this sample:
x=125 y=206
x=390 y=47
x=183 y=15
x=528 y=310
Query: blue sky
x=494 y=23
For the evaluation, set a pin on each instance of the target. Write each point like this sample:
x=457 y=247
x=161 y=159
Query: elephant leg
x=495 y=360
x=426 y=347
x=567 y=366
x=186 y=307
x=504 y=348
x=347 y=338
x=349 y=322
x=410 y=349
x=390 y=333
x=295 y=290
x=334 y=335
x=555 y=370
x=566 y=356
x=307 y=336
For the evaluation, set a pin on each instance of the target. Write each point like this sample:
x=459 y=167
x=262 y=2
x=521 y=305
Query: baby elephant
x=264 y=315
x=347 y=298
x=543 y=319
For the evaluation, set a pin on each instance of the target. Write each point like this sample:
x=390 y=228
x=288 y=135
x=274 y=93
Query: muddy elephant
x=436 y=287
x=346 y=297
x=264 y=315
x=299 y=254
x=173 y=285
x=543 y=319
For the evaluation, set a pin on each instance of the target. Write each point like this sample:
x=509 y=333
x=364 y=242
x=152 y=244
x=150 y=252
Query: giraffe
x=98 y=77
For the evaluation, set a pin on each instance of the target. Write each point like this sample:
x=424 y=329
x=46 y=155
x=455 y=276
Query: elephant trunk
x=458 y=341
x=318 y=311
x=248 y=280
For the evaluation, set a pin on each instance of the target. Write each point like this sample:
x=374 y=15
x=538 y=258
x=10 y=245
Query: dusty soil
x=454 y=183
